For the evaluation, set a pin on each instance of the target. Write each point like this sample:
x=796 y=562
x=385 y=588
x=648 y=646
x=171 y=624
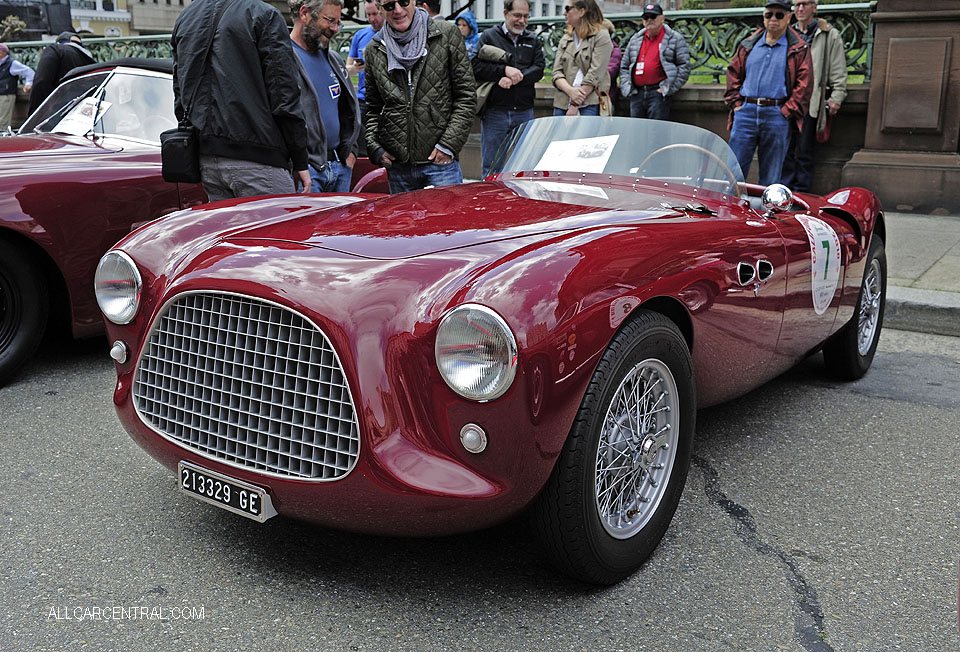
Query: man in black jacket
x=329 y=102
x=56 y=61
x=243 y=99
x=511 y=99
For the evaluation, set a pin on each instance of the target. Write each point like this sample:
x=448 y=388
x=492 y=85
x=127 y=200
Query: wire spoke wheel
x=637 y=449
x=870 y=302
x=619 y=477
x=849 y=355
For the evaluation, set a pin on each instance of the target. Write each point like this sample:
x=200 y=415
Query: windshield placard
x=578 y=155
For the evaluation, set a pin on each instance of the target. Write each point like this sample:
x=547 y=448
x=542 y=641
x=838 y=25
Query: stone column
x=910 y=156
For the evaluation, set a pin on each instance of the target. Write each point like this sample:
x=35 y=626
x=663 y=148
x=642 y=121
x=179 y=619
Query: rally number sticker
x=824 y=260
x=620 y=308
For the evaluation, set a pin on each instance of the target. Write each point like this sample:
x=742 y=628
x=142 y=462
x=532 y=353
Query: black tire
x=850 y=354
x=581 y=536
x=23 y=309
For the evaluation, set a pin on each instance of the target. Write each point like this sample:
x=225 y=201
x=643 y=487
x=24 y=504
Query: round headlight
x=476 y=352
x=117 y=285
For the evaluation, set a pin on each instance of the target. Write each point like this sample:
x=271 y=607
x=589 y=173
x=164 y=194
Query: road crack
x=809 y=621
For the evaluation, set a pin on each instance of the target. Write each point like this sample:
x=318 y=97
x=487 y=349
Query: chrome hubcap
x=870 y=302
x=637 y=448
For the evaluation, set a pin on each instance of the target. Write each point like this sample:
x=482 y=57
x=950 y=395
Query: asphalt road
x=817 y=516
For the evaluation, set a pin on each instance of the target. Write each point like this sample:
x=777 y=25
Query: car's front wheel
x=23 y=309
x=850 y=355
x=619 y=477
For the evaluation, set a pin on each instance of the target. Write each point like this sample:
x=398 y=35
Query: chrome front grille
x=250 y=383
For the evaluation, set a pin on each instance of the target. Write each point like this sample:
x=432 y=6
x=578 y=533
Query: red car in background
x=81 y=173
x=441 y=360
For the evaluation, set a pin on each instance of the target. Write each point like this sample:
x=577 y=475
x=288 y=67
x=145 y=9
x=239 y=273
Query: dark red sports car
x=442 y=360
x=81 y=173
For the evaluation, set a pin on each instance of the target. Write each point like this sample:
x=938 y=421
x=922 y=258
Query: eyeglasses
x=774 y=14
x=333 y=21
x=649 y=17
x=390 y=6
x=518 y=16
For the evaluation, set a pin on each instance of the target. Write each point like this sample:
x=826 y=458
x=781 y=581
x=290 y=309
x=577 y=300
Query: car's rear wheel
x=619 y=477
x=23 y=309
x=850 y=355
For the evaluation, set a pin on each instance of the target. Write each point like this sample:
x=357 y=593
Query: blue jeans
x=414 y=176
x=495 y=124
x=334 y=177
x=593 y=109
x=762 y=129
x=649 y=103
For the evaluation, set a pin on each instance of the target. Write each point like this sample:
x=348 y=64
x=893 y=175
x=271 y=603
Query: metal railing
x=712 y=36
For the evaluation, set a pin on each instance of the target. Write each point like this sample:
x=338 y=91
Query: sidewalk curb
x=923 y=311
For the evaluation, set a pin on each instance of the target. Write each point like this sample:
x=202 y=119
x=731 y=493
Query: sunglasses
x=774 y=14
x=649 y=17
x=569 y=8
x=390 y=6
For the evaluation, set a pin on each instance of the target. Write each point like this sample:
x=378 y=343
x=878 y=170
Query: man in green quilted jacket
x=420 y=98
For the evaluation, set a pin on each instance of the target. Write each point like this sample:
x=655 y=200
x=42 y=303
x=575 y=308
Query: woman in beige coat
x=580 y=68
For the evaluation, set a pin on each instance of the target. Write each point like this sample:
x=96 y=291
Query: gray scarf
x=406 y=48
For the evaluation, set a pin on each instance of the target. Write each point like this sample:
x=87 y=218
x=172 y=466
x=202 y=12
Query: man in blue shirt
x=329 y=103
x=10 y=71
x=769 y=82
x=355 y=59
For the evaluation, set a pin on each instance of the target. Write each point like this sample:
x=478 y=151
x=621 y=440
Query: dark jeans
x=593 y=109
x=762 y=129
x=405 y=176
x=334 y=177
x=649 y=103
x=798 y=166
x=495 y=124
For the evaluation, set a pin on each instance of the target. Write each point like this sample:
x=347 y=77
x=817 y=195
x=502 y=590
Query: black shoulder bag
x=180 y=147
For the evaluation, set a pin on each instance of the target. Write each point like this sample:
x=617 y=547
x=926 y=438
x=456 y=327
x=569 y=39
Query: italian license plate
x=232 y=495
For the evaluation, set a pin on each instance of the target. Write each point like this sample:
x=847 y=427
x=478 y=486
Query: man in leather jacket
x=243 y=99
x=769 y=82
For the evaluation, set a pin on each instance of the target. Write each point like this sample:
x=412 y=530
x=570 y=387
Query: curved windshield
x=124 y=102
x=634 y=147
x=58 y=104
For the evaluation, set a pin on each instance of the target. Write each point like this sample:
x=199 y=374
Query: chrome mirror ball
x=776 y=197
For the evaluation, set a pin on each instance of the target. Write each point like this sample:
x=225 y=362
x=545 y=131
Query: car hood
x=45 y=144
x=440 y=219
